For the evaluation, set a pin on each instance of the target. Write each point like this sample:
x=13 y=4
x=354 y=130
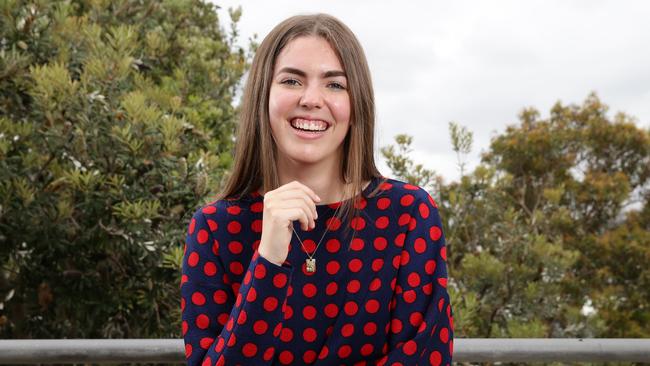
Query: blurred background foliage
x=117 y=121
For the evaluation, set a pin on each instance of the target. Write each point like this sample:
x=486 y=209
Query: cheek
x=341 y=109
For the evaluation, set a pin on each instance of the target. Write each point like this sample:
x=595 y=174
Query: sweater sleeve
x=421 y=328
x=226 y=323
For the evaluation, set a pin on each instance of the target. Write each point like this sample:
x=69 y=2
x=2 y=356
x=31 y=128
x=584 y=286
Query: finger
x=306 y=189
x=299 y=194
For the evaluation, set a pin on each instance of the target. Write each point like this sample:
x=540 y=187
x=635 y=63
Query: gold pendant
x=310 y=264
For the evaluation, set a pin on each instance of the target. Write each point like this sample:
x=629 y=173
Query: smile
x=309 y=125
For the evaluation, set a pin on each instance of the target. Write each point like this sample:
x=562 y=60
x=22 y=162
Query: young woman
x=310 y=256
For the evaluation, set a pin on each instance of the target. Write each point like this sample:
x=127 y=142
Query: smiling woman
x=304 y=170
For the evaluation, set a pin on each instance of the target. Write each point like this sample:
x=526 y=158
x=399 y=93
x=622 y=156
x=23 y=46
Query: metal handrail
x=45 y=351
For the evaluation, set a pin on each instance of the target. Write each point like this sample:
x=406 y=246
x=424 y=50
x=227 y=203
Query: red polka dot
x=193 y=259
x=309 y=356
x=260 y=327
x=252 y=295
x=190 y=230
x=410 y=347
x=236 y=268
x=380 y=243
x=406 y=200
x=209 y=210
x=280 y=280
x=268 y=354
x=331 y=310
x=309 y=290
x=220 y=297
x=350 y=308
x=309 y=312
x=202 y=321
x=331 y=288
x=355 y=265
x=333 y=267
x=198 y=299
x=414 y=279
x=377 y=264
x=382 y=222
x=354 y=286
x=344 y=351
x=416 y=318
x=347 y=330
x=235 y=247
x=256 y=226
x=333 y=223
x=443 y=253
x=424 y=210
x=206 y=342
x=210 y=269
x=260 y=271
x=399 y=240
x=357 y=244
x=333 y=245
x=310 y=245
x=286 y=357
x=202 y=236
x=444 y=335
x=372 y=306
x=383 y=203
x=358 y=223
x=442 y=282
x=375 y=284
x=323 y=353
x=430 y=266
x=249 y=349
x=257 y=207
x=234 y=227
x=233 y=210
x=435 y=359
x=370 y=328
x=435 y=233
x=420 y=245
x=405 y=258
x=270 y=303
x=286 y=335
x=366 y=349
x=309 y=334
x=184 y=327
x=395 y=325
x=410 y=296
x=404 y=219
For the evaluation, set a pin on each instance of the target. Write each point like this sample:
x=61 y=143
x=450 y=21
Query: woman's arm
x=222 y=326
x=421 y=330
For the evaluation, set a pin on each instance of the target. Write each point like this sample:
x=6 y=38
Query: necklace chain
x=327 y=227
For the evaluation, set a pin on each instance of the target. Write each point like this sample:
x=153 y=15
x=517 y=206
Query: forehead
x=308 y=53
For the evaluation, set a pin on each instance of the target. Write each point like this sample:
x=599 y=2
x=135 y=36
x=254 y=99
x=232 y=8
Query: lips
x=309 y=124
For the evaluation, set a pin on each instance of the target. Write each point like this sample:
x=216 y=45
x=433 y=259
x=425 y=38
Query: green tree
x=116 y=120
x=546 y=224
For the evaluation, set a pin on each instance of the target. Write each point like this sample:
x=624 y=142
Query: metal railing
x=41 y=351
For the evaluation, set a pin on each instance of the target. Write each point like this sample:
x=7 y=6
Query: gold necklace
x=310 y=262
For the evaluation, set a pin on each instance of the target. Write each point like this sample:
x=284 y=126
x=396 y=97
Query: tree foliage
x=553 y=222
x=116 y=119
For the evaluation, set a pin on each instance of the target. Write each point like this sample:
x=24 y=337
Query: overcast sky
x=479 y=63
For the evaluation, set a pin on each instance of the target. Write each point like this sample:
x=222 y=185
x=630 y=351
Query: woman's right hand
x=282 y=206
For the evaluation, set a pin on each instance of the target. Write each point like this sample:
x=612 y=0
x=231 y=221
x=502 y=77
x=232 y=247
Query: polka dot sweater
x=380 y=299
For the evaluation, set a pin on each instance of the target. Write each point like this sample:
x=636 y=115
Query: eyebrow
x=327 y=74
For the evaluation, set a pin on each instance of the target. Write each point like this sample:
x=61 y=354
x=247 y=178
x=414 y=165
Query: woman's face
x=309 y=92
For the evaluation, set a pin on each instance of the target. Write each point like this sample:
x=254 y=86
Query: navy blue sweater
x=380 y=299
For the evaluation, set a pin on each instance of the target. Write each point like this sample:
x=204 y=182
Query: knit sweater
x=379 y=299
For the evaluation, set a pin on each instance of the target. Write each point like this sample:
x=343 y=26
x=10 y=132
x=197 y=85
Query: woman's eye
x=337 y=85
x=289 y=82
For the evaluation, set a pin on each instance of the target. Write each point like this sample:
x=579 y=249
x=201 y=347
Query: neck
x=322 y=177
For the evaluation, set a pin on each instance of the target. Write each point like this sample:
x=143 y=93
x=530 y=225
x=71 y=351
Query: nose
x=312 y=97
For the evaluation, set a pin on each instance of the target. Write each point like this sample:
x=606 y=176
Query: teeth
x=309 y=125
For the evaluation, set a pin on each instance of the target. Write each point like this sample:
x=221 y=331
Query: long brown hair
x=255 y=152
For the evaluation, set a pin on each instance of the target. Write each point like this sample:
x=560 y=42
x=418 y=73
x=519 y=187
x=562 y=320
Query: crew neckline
x=333 y=205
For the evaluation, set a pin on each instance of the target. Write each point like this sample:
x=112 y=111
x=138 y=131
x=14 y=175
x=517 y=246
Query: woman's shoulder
x=225 y=209
x=404 y=192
